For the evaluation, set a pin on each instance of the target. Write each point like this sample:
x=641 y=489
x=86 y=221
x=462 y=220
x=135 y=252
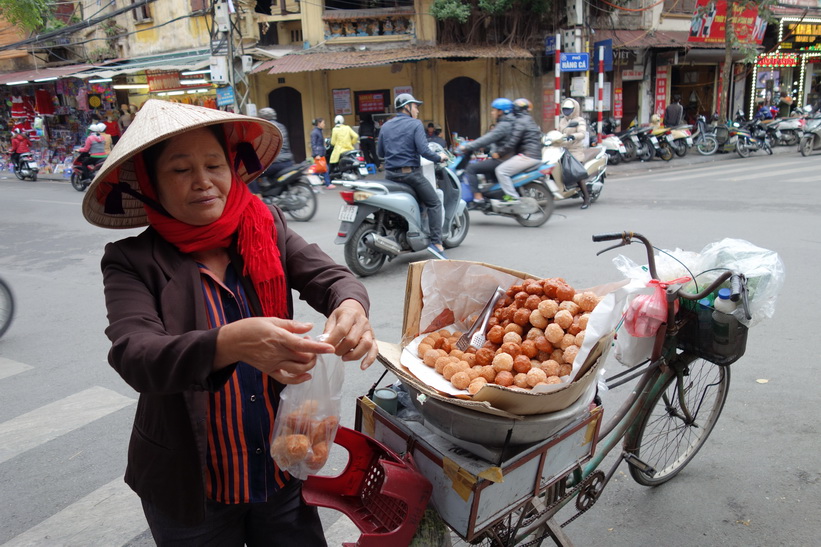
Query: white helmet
x=339 y=120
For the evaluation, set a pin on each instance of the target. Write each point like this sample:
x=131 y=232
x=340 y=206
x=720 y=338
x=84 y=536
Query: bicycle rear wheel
x=663 y=439
x=6 y=307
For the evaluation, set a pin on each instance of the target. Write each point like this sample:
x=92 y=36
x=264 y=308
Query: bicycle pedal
x=635 y=462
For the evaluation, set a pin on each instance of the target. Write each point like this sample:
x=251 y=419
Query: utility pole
x=225 y=67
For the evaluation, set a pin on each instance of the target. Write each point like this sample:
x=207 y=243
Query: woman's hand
x=350 y=332
x=274 y=346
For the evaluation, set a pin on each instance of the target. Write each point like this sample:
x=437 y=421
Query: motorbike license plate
x=654 y=140
x=689 y=141
x=347 y=213
x=33 y=165
x=363 y=171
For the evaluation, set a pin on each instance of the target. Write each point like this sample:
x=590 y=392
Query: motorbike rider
x=95 y=147
x=367 y=140
x=401 y=143
x=574 y=127
x=343 y=139
x=525 y=142
x=502 y=114
x=20 y=144
x=285 y=158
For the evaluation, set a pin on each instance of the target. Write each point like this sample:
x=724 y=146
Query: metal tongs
x=475 y=335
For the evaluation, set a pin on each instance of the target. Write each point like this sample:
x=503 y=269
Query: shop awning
x=639 y=39
x=41 y=73
x=187 y=60
x=309 y=61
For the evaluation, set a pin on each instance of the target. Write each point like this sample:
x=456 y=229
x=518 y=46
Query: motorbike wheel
x=790 y=137
x=680 y=148
x=767 y=148
x=805 y=146
x=458 y=231
x=361 y=259
x=77 y=182
x=707 y=146
x=645 y=151
x=303 y=190
x=543 y=197
x=743 y=148
x=19 y=175
x=630 y=148
x=665 y=151
x=613 y=158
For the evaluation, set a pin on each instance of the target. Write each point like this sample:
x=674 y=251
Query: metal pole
x=557 y=94
x=601 y=89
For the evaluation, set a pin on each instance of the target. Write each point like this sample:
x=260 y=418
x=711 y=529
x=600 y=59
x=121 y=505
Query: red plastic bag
x=319 y=167
x=647 y=312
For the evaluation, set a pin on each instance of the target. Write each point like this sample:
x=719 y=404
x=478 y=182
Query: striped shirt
x=239 y=466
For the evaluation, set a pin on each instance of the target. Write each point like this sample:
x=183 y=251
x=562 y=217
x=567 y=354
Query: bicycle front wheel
x=6 y=307
x=664 y=440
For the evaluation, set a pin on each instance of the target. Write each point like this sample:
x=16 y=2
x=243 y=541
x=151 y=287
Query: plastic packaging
x=308 y=418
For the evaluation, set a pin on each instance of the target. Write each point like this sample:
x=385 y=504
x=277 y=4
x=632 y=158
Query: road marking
x=58 y=418
x=111 y=515
x=10 y=368
x=716 y=170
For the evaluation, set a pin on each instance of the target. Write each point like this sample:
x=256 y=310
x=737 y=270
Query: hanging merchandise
x=44 y=104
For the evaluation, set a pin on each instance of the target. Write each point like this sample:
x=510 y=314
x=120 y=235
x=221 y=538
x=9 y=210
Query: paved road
x=65 y=415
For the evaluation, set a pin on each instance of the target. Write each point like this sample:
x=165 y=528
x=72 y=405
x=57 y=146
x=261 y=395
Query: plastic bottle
x=705 y=320
x=725 y=325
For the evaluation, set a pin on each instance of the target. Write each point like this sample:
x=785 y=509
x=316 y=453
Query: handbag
x=572 y=169
x=320 y=165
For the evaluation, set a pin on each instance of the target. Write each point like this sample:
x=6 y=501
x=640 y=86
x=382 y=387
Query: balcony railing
x=387 y=22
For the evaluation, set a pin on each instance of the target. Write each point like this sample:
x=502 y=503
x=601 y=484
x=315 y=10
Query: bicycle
x=6 y=306
x=671 y=411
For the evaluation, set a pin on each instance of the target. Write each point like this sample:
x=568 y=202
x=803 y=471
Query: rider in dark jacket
x=502 y=112
x=525 y=142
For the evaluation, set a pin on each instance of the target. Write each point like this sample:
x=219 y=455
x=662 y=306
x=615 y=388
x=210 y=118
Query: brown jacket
x=163 y=348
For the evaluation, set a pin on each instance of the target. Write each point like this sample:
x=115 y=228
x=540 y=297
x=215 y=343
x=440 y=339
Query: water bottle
x=705 y=321
x=725 y=325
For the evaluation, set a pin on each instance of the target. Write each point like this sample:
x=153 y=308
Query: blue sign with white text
x=575 y=62
x=550 y=45
x=225 y=96
x=608 y=55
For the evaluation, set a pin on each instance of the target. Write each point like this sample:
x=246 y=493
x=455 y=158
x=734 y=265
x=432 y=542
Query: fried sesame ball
x=550 y=367
x=504 y=378
x=570 y=354
x=567 y=341
x=487 y=372
x=476 y=385
x=565 y=369
x=430 y=357
x=511 y=338
x=521 y=363
x=548 y=308
x=583 y=318
x=503 y=362
x=533 y=302
x=533 y=333
x=565 y=292
x=529 y=348
x=522 y=316
x=588 y=301
x=553 y=380
x=514 y=350
x=484 y=356
x=570 y=306
x=520 y=380
x=563 y=318
x=580 y=339
x=543 y=344
x=535 y=375
x=537 y=319
x=460 y=380
x=554 y=333
x=513 y=327
x=495 y=334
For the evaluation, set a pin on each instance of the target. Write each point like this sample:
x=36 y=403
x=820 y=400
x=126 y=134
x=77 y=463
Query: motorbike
x=381 y=219
x=704 y=138
x=535 y=204
x=628 y=139
x=292 y=190
x=786 y=131
x=26 y=167
x=650 y=145
x=680 y=139
x=81 y=178
x=595 y=163
x=614 y=148
x=351 y=165
x=749 y=137
x=811 y=139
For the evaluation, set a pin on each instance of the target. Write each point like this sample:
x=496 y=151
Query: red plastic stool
x=383 y=494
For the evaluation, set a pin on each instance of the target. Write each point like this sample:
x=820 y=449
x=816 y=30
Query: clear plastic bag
x=307 y=419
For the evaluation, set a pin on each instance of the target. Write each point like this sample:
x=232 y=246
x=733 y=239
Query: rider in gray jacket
x=525 y=142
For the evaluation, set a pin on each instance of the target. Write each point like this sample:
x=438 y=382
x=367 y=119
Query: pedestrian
x=524 y=146
x=501 y=110
x=125 y=118
x=367 y=140
x=784 y=105
x=20 y=144
x=574 y=127
x=112 y=126
x=401 y=143
x=343 y=139
x=674 y=113
x=201 y=324
x=285 y=158
x=318 y=149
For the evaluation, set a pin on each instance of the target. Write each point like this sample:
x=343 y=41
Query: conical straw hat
x=159 y=120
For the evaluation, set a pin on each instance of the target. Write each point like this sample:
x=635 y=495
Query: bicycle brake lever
x=616 y=246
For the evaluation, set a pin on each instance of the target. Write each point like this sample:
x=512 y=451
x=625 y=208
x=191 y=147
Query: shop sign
x=633 y=74
x=801 y=36
x=778 y=60
x=624 y=57
x=608 y=55
x=373 y=102
x=661 y=90
x=710 y=19
x=575 y=62
x=618 y=103
x=342 y=102
x=169 y=80
x=225 y=96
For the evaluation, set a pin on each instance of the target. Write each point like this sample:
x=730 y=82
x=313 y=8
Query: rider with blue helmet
x=502 y=113
x=524 y=146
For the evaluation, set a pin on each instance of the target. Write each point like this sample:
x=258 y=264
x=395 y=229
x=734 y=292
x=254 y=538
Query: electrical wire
x=651 y=6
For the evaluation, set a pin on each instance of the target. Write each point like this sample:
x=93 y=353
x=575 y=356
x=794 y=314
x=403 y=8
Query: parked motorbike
x=704 y=138
x=811 y=138
x=81 y=178
x=786 y=131
x=535 y=204
x=381 y=219
x=650 y=145
x=292 y=191
x=680 y=139
x=749 y=137
x=628 y=139
x=614 y=148
x=26 y=167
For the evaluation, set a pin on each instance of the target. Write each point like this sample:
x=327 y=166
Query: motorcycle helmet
x=522 y=105
x=568 y=107
x=505 y=105
x=267 y=114
x=93 y=128
x=404 y=99
x=339 y=120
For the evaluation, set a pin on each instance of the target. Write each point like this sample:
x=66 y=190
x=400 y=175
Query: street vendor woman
x=201 y=323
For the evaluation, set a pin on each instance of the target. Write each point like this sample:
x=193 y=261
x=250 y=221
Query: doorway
x=287 y=101
x=462 y=110
x=630 y=97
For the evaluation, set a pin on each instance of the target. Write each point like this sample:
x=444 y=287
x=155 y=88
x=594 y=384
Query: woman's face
x=193 y=177
x=321 y=124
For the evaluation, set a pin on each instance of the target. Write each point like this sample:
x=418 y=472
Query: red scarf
x=244 y=215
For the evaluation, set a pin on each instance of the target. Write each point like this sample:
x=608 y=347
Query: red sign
x=778 y=60
x=371 y=102
x=710 y=20
x=618 y=103
x=661 y=90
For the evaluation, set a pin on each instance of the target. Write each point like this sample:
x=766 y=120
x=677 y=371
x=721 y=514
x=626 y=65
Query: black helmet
x=404 y=99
